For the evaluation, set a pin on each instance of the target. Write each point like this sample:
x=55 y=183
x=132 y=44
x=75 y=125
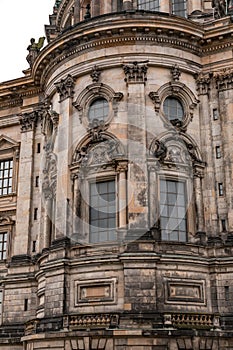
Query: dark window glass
x=218 y=152
x=149 y=5
x=98 y=109
x=215 y=114
x=173 y=108
x=102 y=215
x=3 y=245
x=220 y=189
x=179 y=7
x=6 y=171
x=173 y=221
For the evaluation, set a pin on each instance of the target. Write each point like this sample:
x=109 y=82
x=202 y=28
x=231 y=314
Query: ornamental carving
x=98 y=153
x=224 y=80
x=154 y=96
x=50 y=176
x=203 y=83
x=65 y=88
x=159 y=150
x=175 y=72
x=28 y=121
x=96 y=129
x=95 y=74
x=219 y=7
x=135 y=72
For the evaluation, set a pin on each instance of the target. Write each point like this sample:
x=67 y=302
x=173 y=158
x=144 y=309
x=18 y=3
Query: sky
x=20 y=20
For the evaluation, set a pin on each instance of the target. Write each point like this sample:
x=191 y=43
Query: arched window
x=149 y=5
x=173 y=108
x=99 y=109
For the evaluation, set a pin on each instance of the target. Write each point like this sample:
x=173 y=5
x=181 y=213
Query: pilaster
x=135 y=78
x=23 y=214
x=63 y=149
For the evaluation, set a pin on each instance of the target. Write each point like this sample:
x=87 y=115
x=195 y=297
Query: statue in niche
x=34 y=49
x=219 y=7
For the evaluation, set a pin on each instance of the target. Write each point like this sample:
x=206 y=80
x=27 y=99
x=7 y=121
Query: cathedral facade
x=116 y=191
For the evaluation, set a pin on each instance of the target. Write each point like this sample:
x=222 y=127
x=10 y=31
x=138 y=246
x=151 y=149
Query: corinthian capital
x=28 y=121
x=65 y=87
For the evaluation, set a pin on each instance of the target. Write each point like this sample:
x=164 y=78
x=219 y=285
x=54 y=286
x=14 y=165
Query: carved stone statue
x=34 y=49
x=219 y=8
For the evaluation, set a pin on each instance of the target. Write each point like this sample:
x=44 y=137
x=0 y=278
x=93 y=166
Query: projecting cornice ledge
x=117 y=30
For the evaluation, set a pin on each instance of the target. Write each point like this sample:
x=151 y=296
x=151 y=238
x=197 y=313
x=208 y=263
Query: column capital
x=65 y=88
x=135 y=72
x=28 y=121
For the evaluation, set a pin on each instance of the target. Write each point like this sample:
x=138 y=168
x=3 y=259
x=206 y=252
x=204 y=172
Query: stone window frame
x=162 y=165
x=179 y=177
x=83 y=175
x=6 y=226
x=166 y=204
x=9 y=150
x=90 y=94
x=180 y=91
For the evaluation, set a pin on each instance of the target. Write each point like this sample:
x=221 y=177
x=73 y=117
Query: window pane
x=98 y=109
x=3 y=245
x=149 y=5
x=6 y=177
x=179 y=7
x=173 y=108
x=173 y=221
x=102 y=214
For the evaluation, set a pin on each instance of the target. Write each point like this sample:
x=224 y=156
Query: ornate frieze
x=135 y=72
x=65 y=88
x=28 y=121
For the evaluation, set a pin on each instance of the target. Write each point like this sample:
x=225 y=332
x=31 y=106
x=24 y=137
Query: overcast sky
x=20 y=20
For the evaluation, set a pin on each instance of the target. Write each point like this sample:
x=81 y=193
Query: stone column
x=48 y=222
x=63 y=149
x=77 y=10
x=95 y=8
x=122 y=168
x=198 y=202
x=209 y=181
x=24 y=210
x=137 y=175
x=224 y=165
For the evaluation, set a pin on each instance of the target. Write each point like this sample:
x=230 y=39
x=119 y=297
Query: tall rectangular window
x=6 y=172
x=149 y=5
x=3 y=243
x=179 y=8
x=102 y=212
x=173 y=207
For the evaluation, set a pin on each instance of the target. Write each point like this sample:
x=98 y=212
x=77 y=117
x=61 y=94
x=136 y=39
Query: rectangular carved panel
x=185 y=291
x=94 y=291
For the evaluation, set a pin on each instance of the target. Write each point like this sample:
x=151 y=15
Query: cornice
x=130 y=28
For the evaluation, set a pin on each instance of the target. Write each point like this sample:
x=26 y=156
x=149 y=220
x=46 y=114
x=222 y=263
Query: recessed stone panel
x=95 y=291
x=185 y=291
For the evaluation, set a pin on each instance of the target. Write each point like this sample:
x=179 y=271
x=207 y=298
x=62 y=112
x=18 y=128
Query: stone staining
x=117 y=229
